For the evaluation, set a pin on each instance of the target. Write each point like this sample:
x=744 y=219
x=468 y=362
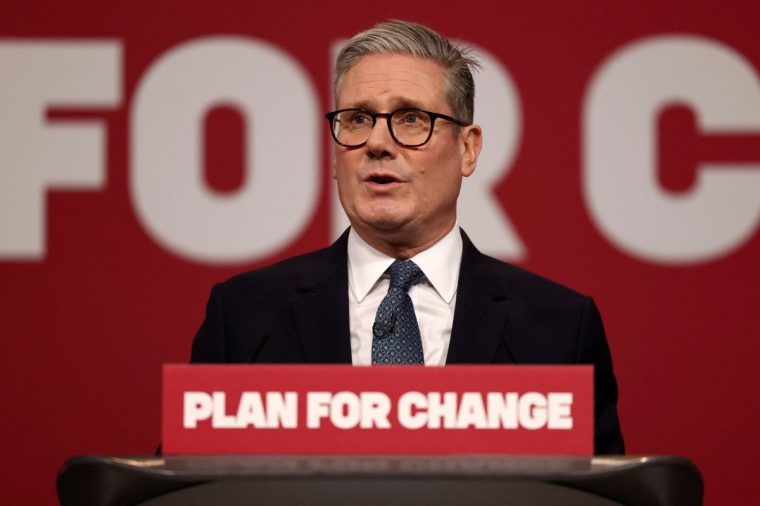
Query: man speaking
x=404 y=285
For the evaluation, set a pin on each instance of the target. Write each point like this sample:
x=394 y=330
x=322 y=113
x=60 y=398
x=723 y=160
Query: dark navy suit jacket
x=296 y=311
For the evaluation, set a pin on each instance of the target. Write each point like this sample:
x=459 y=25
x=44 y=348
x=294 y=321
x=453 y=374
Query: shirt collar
x=439 y=263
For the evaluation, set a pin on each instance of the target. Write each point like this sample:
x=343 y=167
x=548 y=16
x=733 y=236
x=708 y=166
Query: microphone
x=381 y=330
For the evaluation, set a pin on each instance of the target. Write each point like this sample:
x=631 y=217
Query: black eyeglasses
x=409 y=127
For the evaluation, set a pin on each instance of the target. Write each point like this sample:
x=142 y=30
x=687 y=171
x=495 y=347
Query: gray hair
x=413 y=39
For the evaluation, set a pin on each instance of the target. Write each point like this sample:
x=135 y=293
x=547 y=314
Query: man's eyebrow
x=403 y=102
x=397 y=103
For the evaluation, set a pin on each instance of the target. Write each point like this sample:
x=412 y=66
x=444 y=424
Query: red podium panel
x=328 y=409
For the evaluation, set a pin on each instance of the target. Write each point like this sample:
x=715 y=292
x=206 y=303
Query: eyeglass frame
x=387 y=115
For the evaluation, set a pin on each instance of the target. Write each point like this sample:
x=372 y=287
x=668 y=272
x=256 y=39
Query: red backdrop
x=610 y=122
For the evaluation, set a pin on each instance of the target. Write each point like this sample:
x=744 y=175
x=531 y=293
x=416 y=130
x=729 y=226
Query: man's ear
x=471 y=138
x=333 y=163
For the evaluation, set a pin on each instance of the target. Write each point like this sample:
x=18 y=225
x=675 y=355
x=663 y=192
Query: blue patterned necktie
x=395 y=334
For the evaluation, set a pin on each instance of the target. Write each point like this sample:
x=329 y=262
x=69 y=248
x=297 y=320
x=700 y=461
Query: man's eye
x=358 y=119
x=410 y=117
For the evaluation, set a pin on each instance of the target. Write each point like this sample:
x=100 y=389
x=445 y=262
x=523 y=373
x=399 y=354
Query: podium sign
x=340 y=409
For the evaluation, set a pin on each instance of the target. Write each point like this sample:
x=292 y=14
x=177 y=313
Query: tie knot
x=404 y=273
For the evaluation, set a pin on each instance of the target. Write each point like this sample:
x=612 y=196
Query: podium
x=373 y=481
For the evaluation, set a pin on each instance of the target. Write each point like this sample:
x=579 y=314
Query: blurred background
x=151 y=148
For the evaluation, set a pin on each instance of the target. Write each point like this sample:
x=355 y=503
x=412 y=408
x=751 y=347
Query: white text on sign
x=372 y=410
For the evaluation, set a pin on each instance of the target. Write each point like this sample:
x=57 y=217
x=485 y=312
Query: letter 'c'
x=620 y=181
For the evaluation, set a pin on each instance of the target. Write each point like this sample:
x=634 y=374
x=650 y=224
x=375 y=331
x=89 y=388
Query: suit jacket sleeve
x=593 y=349
x=208 y=345
x=233 y=331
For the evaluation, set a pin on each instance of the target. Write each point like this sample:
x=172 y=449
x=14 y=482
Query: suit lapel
x=320 y=312
x=480 y=317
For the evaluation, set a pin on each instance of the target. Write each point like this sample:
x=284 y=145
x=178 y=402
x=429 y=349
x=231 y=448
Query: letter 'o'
x=281 y=184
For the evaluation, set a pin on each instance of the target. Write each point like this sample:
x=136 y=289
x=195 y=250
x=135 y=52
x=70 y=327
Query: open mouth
x=382 y=179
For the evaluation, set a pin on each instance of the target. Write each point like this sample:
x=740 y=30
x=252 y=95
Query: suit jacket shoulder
x=530 y=319
x=290 y=312
x=505 y=314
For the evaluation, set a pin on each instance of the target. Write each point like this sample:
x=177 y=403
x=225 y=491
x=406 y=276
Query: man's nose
x=380 y=142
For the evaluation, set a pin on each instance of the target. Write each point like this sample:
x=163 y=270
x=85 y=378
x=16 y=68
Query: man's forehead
x=394 y=80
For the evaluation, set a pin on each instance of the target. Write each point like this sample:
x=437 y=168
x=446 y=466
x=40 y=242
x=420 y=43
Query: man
x=404 y=141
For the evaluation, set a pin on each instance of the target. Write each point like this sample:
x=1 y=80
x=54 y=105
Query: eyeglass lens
x=408 y=126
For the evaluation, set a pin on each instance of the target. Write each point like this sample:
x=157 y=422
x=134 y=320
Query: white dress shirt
x=434 y=297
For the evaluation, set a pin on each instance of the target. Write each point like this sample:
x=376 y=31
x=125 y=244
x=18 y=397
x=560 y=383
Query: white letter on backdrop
x=36 y=154
x=620 y=114
x=497 y=110
x=281 y=184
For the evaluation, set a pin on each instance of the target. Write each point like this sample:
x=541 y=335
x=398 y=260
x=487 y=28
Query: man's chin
x=389 y=225
x=383 y=224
